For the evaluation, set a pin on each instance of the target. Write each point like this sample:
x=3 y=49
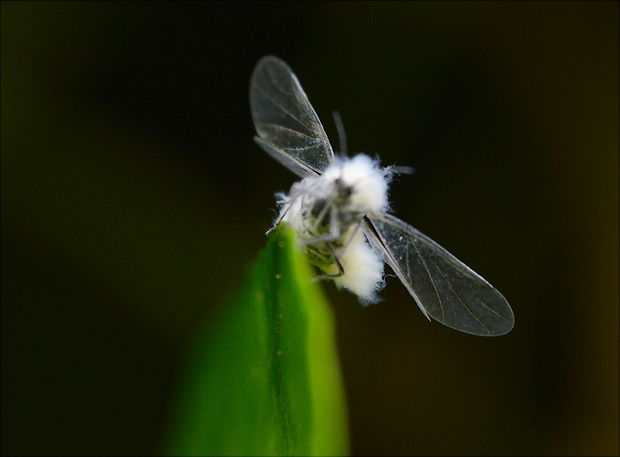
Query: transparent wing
x=288 y=128
x=444 y=287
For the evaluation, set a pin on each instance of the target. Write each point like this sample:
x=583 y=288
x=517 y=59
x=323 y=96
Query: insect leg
x=319 y=219
x=357 y=226
x=338 y=264
x=334 y=230
x=281 y=216
x=335 y=257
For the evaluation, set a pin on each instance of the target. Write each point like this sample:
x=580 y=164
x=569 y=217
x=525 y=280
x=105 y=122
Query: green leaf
x=264 y=379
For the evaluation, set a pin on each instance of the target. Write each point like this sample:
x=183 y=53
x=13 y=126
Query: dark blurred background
x=133 y=199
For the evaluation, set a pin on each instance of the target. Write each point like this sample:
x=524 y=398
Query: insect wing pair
x=444 y=288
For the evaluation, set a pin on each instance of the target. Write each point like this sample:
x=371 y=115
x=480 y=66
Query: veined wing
x=288 y=128
x=444 y=287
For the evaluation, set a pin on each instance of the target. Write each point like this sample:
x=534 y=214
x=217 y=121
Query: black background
x=133 y=198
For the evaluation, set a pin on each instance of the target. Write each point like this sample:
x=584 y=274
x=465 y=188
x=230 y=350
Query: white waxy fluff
x=362 y=266
x=363 y=270
x=367 y=180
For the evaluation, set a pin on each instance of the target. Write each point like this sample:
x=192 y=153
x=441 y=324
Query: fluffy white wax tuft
x=367 y=180
x=363 y=269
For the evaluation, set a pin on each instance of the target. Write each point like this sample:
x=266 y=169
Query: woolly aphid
x=339 y=211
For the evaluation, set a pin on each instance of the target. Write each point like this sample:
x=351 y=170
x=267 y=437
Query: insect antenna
x=382 y=172
x=341 y=135
x=402 y=170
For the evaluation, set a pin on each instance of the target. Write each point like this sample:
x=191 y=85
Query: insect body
x=327 y=211
x=339 y=211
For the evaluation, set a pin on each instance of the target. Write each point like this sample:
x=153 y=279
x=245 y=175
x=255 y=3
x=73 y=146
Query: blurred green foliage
x=265 y=379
